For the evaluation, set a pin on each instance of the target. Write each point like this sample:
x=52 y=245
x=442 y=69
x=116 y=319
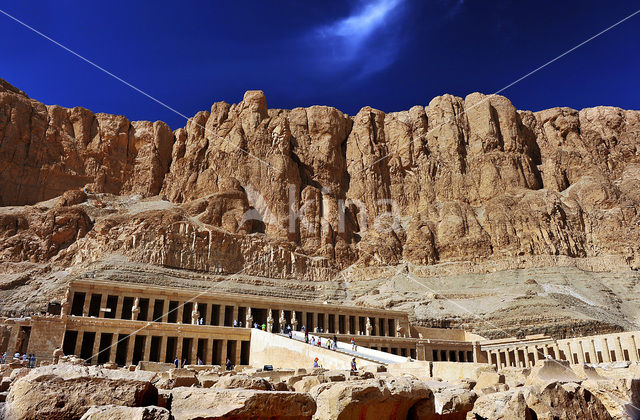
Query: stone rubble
x=72 y=391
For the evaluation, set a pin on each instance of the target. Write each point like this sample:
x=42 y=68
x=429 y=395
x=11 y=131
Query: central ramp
x=283 y=352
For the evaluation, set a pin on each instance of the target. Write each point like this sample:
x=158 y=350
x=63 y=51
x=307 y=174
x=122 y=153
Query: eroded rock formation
x=306 y=193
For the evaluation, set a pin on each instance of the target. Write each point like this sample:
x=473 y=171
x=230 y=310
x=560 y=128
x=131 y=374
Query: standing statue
x=270 y=321
x=195 y=314
x=369 y=327
x=135 y=309
x=294 y=321
x=249 y=318
x=282 y=321
x=399 y=331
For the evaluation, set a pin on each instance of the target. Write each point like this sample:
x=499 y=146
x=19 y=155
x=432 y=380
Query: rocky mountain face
x=311 y=192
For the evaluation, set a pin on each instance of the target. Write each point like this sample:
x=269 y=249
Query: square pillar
x=165 y=310
x=336 y=323
x=103 y=304
x=208 y=354
x=238 y=352
x=179 y=348
x=79 y=343
x=96 y=349
x=580 y=352
x=516 y=353
x=130 y=347
x=146 y=353
x=179 y=312
x=314 y=319
x=114 y=347
x=235 y=314
x=507 y=357
x=87 y=302
x=221 y=319
x=223 y=352
x=163 y=348
x=194 y=351
x=119 y=307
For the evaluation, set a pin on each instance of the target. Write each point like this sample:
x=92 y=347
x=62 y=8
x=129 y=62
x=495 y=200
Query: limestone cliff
x=310 y=192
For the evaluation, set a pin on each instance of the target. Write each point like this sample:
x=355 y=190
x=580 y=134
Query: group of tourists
x=28 y=359
x=237 y=324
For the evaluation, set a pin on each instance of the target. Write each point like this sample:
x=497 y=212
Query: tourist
x=290 y=334
x=328 y=344
x=4 y=357
x=354 y=368
x=176 y=362
x=335 y=339
x=200 y=361
x=240 y=324
x=235 y=323
x=228 y=365
x=264 y=327
x=315 y=363
x=319 y=342
x=184 y=362
x=32 y=360
x=16 y=356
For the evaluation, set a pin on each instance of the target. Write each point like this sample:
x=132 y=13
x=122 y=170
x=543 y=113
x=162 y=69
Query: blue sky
x=389 y=54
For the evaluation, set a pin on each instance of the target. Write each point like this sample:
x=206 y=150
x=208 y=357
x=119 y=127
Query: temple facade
x=125 y=323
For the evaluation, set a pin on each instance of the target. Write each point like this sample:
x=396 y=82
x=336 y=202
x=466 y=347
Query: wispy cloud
x=366 y=41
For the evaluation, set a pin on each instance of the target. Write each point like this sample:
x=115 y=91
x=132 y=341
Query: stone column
x=223 y=353
x=114 y=347
x=619 y=348
x=336 y=323
x=556 y=350
x=180 y=312
x=87 y=302
x=570 y=353
x=314 y=318
x=545 y=350
x=516 y=353
x=536 y=356
x=146 y=353
x=179 y=348
x=103 y=304
x=633 y=354
x=165 y=310
x=476 y=350
x=119 y=307
x=507 y=357
x=235 y=314
x=325 y=322
x=489 y=357
x=130 y=346
x=605 y=349
x=96 y=349
x=76 y=351
x=163 y=348
x=238 y=352
x=580 y=352
x=208 y=354
x=221 y=311
x=194 y=351
x=594 y=353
